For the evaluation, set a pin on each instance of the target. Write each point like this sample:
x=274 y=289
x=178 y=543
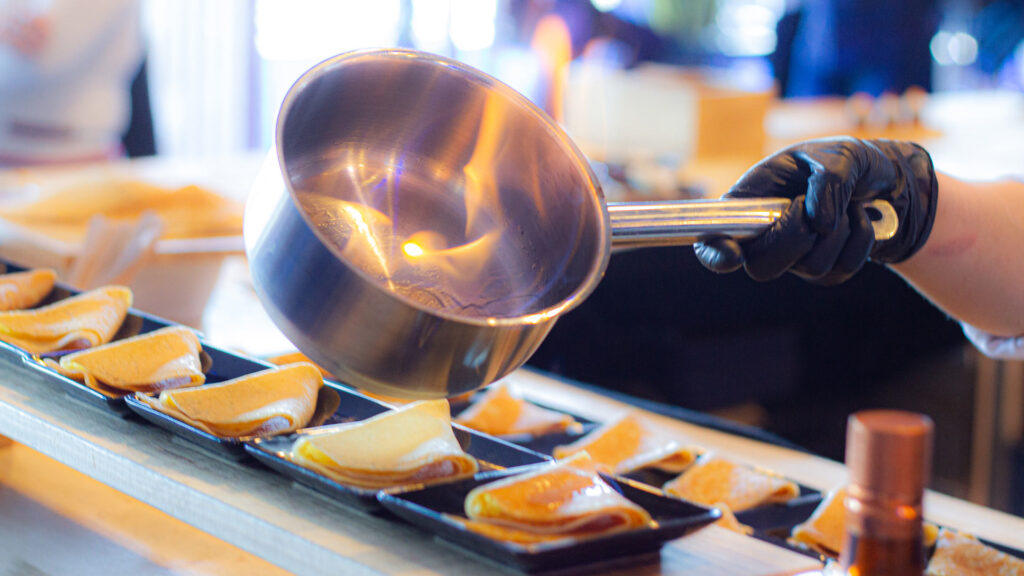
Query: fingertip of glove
x=719 y=255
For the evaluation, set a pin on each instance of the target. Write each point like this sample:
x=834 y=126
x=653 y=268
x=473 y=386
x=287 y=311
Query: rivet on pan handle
x=684 y=222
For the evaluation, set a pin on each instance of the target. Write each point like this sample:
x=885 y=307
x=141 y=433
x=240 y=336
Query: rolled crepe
x=160 y=360
x=413 y=444
x=83 y=321
x=274 y=401
x=628 y=443
x=713 y=479
x=498 y=412
x=959 y=554
x=825 y=529
x=21 y=290
x=566 y=499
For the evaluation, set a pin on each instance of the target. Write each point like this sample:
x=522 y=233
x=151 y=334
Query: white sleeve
x=1005 y=348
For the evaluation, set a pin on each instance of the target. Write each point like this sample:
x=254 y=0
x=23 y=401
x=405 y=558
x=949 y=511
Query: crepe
x=713 y=479
x=413 y=444
x=825 y=529
x=498 y=412
x=20 y=290
x=83 y=321
x=186 y=212
x=566 y=499
x=274 y=401
x=160 y=360
x=730 y=522
x=628 y=443
x=290 y=357
x=959 y=554
x=293 y=357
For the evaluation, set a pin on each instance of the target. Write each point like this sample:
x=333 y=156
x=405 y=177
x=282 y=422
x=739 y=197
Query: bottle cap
x=889 y=452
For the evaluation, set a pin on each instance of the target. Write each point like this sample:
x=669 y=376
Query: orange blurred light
x=553 y=45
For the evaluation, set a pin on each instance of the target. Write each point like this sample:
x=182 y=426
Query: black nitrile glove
x=825 y=236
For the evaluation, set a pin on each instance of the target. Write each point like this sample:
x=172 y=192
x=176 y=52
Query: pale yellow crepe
x=628 y=443
x=83 y=321
x=413 y=444
x=274 y=401
x=160 y=360
x=959 y=554
x=20 y=290
x=565 y=499
x=713 y=479
x=186 y=212
x=498 y=412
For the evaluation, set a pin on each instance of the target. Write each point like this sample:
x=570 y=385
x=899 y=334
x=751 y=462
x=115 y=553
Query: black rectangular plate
x=491 y=452
x=428 y=507
x=761 y=518
x=84 y=393
x=776 y=529
x=352 y=406
x=224 y=366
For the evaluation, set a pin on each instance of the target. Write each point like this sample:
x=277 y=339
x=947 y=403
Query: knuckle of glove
x=779 y=175
x=782 y=245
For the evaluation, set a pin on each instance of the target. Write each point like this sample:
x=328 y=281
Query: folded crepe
x=293 y=357
x=83 y=321
x=413 y=444
x=729 y=521
x=274 y=401
x=628 y=443
x=290 y=357
x=713 y=479
x=498 y=412
x=568 y=499
x=825 y=529
x=959 y=554
x=20 y=290
x=186 y=212
x=160 y=360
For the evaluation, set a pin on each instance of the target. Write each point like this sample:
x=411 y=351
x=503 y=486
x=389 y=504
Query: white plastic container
x=175 y=279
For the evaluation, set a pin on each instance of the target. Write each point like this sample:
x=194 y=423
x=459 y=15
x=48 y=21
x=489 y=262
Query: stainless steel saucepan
x=420 y=226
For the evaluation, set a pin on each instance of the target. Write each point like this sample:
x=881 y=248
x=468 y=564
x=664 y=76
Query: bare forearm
x=973 y=263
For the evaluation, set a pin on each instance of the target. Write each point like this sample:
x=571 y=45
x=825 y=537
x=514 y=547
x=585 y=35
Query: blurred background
x=217 y=73
x=669 y=99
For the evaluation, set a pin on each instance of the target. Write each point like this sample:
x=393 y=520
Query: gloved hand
x=825 y=236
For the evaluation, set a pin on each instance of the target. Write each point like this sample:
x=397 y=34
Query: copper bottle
x=888 y=458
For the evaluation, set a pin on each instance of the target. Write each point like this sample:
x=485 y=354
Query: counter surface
x=284 y=523
x=306 y=533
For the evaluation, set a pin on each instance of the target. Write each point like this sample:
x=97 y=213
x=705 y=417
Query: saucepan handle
x=684 y=222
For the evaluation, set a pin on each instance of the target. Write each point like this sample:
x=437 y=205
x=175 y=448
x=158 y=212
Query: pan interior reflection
x=440 y=244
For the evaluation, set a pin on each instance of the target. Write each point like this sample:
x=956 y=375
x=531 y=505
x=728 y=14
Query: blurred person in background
x=841 y=47
x=999 y=27
x=66 y=77
x=961 y=249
